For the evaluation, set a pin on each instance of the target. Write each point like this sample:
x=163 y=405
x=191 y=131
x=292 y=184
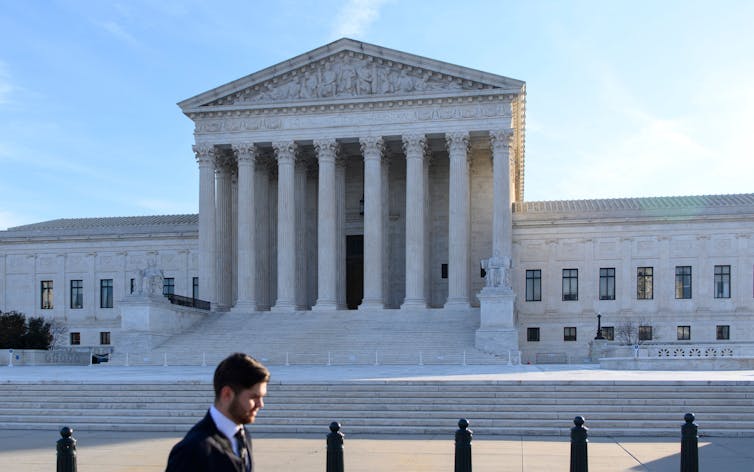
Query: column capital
x=205 y=154
x=284 y=151
x=326 y=149
x=501 y=139
x=414 y=145
x=246 y=153
x=372 y=147
x=457 y=143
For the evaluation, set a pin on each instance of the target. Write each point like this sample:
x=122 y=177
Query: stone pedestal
x=497 y=333
x=148 y=320
x=597 y=349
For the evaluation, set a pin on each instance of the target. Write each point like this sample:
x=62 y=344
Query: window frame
x=534 y=285
x=683 y=332
x=570 y=334
x=77 y=294
x=195 y=288
x=168 y=286
x=608 y=332
x=722 y=277
x=683 y=281
x=644 y=277
x=533 y=334
x=105 y=338
x=642 y=333
x=722 y=332
x=571 y=292
x=106 y=293
x=47 y=293
x=607 y=290
x=74 y=338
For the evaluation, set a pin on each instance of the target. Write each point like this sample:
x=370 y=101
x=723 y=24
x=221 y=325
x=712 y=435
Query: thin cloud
x=356 y=16
x=117 y=31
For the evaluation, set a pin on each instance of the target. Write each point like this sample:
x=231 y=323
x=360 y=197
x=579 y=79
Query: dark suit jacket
x=205 y=449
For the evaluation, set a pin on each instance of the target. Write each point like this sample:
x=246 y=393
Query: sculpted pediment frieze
x=348 y=74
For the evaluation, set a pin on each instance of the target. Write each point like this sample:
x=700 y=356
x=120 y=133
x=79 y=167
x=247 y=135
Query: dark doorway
x=354 y=270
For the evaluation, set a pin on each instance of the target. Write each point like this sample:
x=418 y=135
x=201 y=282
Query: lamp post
x=599 y=327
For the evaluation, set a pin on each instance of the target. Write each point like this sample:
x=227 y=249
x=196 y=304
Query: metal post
x=463 y=446
x=66 y=451
x=689 y=444
x=335 y=448
x=579 y=459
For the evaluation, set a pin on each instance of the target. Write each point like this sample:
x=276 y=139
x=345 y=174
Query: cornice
x=353 y=104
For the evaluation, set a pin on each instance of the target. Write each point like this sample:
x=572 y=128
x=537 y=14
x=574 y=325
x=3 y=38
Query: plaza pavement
x=34 y=451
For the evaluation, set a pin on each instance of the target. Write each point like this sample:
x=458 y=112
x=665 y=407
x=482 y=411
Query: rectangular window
x=132 y=285
x=608 y=332
x=644 y=283
x=645 y=333
x=722 y=281
x=684 y=333
x=682 y=281
x=46 y=303
x=570 y=284
x=723 y=332
x=607 y=283
x=443 y=271
x=77 y=294
x=104 y=338
x=168 y=286
x=106 y=293
x=534 y=285
x=75 y=339
x=195 y=287
x=532 y=334
x=569 y=333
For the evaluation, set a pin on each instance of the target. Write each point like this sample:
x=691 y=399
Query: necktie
x=243 y=450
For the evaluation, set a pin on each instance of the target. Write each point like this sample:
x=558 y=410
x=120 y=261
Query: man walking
x=218 y=443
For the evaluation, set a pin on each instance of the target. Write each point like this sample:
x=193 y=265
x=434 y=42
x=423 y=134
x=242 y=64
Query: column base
x=413 y=304
x=284 y=306
x=457 y=304
x=325 y=305
x=375 y=304
x=244 y=307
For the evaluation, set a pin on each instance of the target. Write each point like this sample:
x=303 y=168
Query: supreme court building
x=359 y=177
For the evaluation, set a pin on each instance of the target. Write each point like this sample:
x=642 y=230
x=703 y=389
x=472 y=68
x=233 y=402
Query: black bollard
x=579 y=459
x=66 y=451
x=689 y=444
x=463 y=446
x=335 y=448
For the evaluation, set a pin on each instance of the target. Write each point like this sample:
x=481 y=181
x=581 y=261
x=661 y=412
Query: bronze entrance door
x=354 y=270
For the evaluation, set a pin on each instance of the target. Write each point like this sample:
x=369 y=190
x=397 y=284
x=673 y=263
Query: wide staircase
x=611 y=408
x=325 y=338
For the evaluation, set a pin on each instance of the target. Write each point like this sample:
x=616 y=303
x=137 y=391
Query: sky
x=624 y=98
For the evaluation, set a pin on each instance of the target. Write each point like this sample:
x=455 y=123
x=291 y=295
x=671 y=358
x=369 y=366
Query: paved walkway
x=34 y=451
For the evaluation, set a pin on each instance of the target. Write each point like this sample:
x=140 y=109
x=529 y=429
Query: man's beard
x=238 y=413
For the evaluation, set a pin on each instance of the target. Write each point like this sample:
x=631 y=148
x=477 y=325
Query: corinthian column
x=414 y=147
x=458 y=221
x=502 y=224
x=372 y=148
x=205 y=157
x=327 y=250
x=223 y=221
x=286 y=280
x=246 y=234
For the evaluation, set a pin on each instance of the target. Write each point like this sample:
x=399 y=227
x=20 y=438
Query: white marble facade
x=353 y=141
x=355 y=176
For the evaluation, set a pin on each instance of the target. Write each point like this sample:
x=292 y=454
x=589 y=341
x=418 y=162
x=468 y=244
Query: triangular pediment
x=347 y=69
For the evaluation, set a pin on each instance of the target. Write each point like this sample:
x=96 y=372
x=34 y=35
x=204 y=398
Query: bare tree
x=627 y=332
x=58 y=330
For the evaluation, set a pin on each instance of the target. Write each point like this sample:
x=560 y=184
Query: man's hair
x=239 y=371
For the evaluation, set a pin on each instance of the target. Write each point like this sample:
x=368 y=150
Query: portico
x=354 y=158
